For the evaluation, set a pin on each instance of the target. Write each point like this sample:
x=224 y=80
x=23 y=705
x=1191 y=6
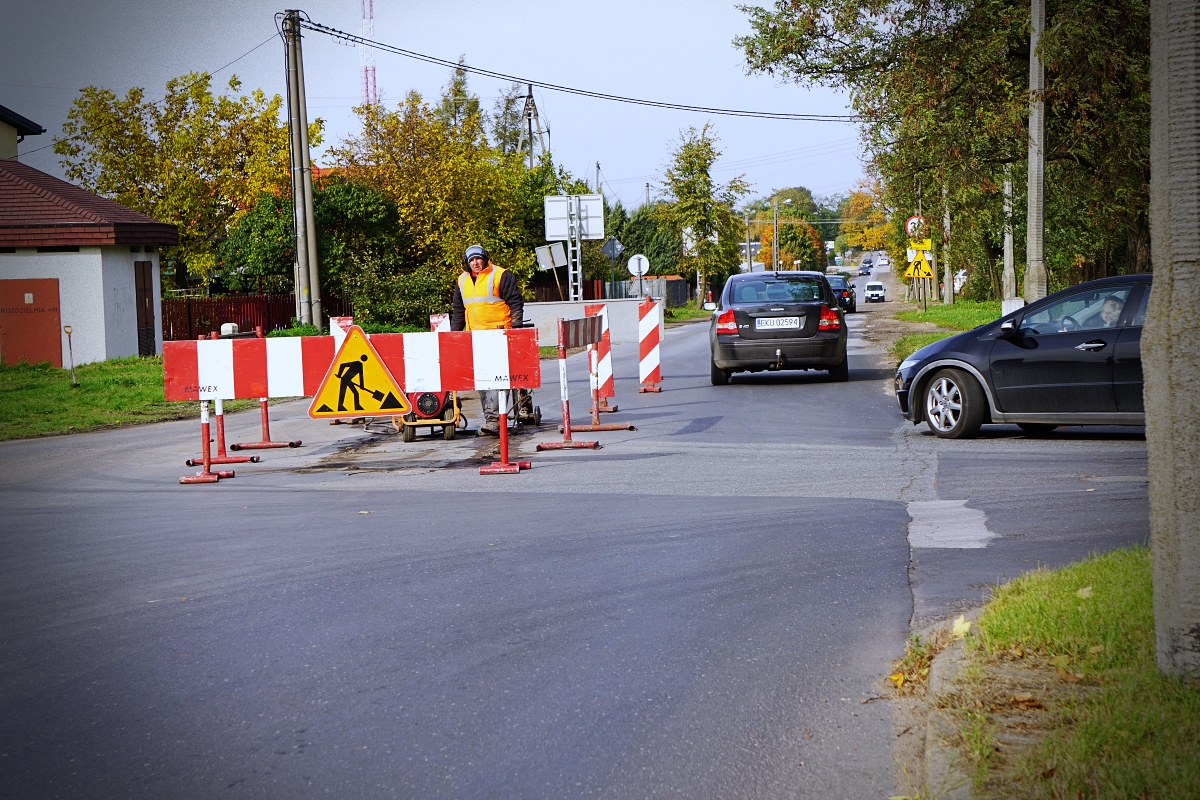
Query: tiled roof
x=39 y=210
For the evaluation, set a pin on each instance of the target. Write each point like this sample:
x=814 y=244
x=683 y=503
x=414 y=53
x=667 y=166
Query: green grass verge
x=686 y=312
x=962 y=315
x=1137 y=734
x=910 y=343
x=38 y=399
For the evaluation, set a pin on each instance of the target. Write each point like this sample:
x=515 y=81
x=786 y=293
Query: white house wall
x=80 y=294
x=97 y=297
x=120 y=302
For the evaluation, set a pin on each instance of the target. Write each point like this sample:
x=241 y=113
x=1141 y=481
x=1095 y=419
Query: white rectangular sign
x=551 y=255
x=591 y=217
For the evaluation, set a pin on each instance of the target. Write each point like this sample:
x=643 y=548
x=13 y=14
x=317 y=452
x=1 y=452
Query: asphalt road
x=703 y=608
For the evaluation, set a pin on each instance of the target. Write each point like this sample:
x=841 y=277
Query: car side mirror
x=1008 y=327
x=710 y=306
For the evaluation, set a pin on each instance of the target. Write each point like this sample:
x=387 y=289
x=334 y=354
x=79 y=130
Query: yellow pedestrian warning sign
x=919 y=268
x=358 y=384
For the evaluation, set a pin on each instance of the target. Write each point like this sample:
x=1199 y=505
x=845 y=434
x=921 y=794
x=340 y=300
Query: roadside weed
x=961 y=315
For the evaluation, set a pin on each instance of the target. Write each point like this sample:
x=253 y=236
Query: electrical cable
x=202 y=77
x=729 y=112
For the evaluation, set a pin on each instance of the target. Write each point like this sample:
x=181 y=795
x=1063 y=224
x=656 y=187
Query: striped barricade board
x=229 y=369
x=579 y=332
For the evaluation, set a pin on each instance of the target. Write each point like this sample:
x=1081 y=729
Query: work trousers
x=490 y=400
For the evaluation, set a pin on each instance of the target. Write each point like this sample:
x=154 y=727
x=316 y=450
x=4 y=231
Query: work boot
x=489 y=429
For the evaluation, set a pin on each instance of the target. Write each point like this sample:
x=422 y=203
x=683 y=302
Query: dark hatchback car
x=777 y=320
x=1073 y=358
x=844 y=291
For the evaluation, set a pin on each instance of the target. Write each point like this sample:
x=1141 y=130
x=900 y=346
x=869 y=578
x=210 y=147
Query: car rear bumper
x=820 y=351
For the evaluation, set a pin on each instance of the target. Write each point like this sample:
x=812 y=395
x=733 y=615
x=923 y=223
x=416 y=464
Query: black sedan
x=844 y=291
x=777 y=320
x=1073 y=358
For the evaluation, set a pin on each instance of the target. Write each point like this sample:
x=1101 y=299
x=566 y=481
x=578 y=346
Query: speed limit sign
x=914 y=225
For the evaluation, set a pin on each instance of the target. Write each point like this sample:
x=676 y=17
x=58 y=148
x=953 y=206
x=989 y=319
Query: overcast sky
x=671 y=51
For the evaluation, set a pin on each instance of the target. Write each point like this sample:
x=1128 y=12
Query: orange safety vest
x=486 y=311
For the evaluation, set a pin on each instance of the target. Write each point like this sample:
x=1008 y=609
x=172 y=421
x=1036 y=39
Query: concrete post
x=310 y=222
x=947 y=274
x=1035 y=258
x=291 y=33
x=1171 y=340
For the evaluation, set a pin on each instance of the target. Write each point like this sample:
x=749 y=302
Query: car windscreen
x=783 y=290
x=874 y=287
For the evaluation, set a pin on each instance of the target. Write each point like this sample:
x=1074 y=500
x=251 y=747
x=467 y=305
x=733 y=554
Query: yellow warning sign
x=358 y=384
x=919 y=268
x=920 y=244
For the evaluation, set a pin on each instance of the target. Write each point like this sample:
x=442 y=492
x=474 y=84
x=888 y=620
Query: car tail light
x=845 y=294
x=829 y=320
x=726 y=323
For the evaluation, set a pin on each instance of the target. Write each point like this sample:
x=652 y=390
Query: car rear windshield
x=784 y=290
x=837 y=281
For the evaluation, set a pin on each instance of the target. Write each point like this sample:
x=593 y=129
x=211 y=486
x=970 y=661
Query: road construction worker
x=486 y=298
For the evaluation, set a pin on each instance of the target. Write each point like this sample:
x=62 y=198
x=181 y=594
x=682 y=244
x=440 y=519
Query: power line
x=203 y=76
x=729 y=112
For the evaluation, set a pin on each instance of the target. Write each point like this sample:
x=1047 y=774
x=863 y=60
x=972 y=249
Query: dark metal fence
x=190 y=317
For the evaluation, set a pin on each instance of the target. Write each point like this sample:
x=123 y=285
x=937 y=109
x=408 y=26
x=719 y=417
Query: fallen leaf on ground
x=1096 y=648
x=897 y=679
x=961 y=626
x=364 y=512
x=1066 y=676
x=1060 y=661
x=1026 y=700
x=1085 y=592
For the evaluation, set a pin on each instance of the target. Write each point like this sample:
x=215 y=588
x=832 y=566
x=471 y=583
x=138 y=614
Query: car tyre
x=954 y=404
x=841 y=372
x=1036 y=428
x=718 y=376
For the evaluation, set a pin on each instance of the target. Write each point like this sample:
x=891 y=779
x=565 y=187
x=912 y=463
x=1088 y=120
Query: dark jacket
x=509 y=292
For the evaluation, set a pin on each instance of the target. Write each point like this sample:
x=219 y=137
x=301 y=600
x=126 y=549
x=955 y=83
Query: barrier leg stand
x=605 y=408
x=504 y=466
x=221 y=457
x=205 y=475
x=567 y=443
x=594 y=362
x=266 y=442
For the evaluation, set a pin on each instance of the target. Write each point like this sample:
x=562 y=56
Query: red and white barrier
x=604 y=368
x=572 y=333
x=230 y=369
x=649 y=322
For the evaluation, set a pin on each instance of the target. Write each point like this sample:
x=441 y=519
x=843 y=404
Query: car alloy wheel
x=954 y=404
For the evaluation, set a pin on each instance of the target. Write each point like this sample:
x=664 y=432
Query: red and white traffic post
x=206 y=475
x=649 y=322
x=604 y=369
x=571 y=333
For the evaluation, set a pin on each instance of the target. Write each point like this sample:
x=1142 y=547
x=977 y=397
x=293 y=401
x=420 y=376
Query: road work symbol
x=358 y=384
x=919 y=268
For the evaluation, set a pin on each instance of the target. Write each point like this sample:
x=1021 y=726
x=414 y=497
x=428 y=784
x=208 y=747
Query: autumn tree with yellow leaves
x=194 y=159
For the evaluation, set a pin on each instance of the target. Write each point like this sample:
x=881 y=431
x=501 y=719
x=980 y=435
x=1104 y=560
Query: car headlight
x=908 y=362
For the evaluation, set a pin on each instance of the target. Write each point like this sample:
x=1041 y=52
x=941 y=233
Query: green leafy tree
x=193 y=159
x=258 y=254
x=695 y=203
x=941 y=90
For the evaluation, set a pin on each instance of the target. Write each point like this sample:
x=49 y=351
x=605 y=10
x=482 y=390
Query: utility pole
x=1171 y=357
x=1008 y=279
x=291 y=33
x=1035 y=256
x=647 y=194
x=310 y=222
x=598 y=179
x=947 y=275
x=775 y=234
x=532 y=124
x=749 y=263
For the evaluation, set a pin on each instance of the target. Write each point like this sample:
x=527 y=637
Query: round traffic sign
x=914 y=225
x=639 y=265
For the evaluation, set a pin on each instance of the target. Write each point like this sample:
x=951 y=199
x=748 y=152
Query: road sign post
x=639 y=265
x=613 y=249
x=574 y=218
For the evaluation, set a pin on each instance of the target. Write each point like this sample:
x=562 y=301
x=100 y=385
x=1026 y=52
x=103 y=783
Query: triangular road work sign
x=919 y=268
x=358 y=384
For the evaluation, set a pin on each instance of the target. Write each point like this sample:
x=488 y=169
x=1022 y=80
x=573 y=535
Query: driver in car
x=1110 y=312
